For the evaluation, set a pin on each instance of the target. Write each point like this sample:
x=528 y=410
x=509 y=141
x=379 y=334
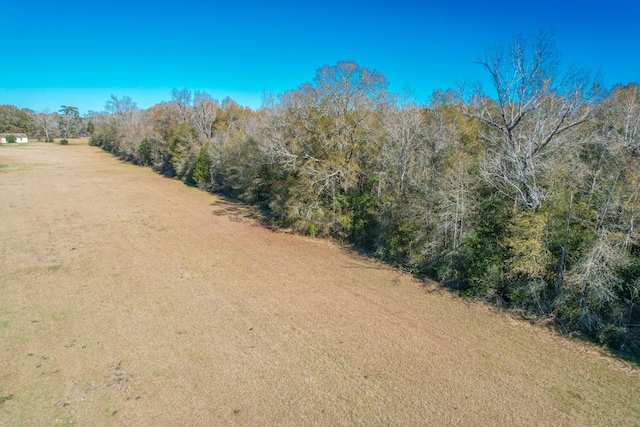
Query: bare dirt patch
x=130 y=299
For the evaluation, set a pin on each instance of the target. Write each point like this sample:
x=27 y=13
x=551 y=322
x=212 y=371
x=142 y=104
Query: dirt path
x=130 y=299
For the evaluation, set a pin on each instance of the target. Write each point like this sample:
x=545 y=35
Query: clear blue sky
x=78 y=53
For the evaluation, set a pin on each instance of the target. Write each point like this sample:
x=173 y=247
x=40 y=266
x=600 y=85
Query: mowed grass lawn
x=131 y=299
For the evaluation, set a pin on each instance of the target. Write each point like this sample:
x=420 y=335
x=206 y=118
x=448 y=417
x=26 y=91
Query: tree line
x=526 y=195
x=46 y=126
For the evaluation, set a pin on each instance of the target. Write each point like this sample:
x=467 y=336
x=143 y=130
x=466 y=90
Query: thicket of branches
x=526 y=196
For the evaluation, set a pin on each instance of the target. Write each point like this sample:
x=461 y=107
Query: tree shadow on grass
x=241 y=212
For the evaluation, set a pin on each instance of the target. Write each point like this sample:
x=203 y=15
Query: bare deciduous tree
x=536 y=107
x=181 y=98
x=124 y=113
x=593 y=281
x=47 y=123
x=404 y=138
x=205 y=111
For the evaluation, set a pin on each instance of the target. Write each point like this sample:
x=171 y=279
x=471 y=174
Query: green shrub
x=64 y=141
x=202 y=168
x=144 y=153
x=11 y=138
x=483 y=254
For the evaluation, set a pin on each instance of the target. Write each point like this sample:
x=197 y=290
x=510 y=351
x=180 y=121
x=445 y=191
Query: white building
x=20 y=137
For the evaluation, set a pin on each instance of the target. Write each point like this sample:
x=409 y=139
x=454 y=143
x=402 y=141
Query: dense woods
x=526 y=195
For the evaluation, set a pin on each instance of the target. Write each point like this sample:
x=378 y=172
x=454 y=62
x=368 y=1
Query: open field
x=130 y=299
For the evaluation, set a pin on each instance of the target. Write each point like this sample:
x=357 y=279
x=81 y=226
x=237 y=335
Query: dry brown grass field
x=130 y=299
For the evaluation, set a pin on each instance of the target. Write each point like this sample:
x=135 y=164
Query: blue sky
x=76 y=53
